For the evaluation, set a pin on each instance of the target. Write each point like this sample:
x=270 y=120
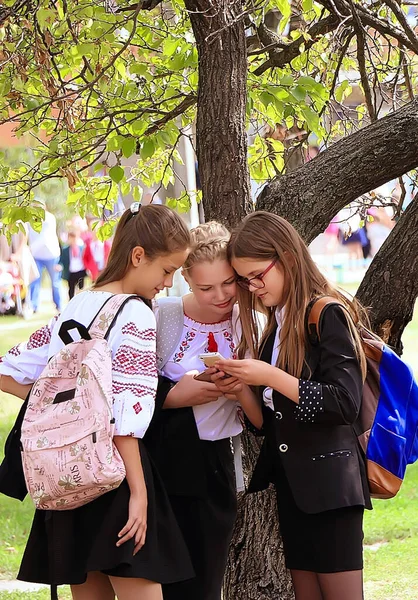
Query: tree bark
x=256 y=569
x=313 y=194
x=222 y=94
x=390 y=286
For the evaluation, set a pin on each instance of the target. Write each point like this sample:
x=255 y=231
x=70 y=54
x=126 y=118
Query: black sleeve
x=164 y=386
x=334 y=396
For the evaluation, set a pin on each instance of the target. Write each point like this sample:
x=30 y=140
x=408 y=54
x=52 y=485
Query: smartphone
x=204 y=376
x=210 y=358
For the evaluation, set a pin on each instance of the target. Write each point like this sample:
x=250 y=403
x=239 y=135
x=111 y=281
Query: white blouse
x=132 y=341
x=214 y=420
x=268 y=391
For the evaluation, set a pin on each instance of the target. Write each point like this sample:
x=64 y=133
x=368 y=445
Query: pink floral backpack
x=68 y=454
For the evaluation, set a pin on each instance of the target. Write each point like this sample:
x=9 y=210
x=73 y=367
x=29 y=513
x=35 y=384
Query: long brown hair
x=158 y=229
x=264 y=236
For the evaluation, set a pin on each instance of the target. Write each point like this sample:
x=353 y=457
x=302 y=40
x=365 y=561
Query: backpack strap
x=105 y=319
x=315 y=311
x=170 y=321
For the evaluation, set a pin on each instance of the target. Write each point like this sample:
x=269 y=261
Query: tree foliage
x=93 y=85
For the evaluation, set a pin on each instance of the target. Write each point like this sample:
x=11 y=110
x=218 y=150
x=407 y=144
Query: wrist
x=271 y=373
x=171 y=398
x=138 y=489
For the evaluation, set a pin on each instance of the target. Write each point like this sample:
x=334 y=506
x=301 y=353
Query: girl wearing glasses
x=192 y=443
x=310 y=398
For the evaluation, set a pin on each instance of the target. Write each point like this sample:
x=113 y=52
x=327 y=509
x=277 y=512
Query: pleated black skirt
x=64 y=546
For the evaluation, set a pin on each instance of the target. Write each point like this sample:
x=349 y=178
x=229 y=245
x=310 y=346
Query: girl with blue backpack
x=309 y=398
x=126 y=542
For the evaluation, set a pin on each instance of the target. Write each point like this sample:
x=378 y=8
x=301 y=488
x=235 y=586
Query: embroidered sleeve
x=26 y=361
x=134 y=369
x=310 y=401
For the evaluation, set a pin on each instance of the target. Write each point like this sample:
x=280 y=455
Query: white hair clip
x=135 y=206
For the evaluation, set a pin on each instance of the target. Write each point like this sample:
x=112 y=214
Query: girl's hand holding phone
x=248 y=370
x=229 y=386
x=189 y=391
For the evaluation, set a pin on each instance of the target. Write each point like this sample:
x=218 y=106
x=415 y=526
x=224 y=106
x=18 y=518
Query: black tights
x=346 y=585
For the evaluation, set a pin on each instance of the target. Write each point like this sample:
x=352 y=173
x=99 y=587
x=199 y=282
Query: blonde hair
x=265 y=236
x=209 y=242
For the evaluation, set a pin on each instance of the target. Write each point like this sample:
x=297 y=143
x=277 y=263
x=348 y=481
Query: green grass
x=391 y=529
x=63 y=594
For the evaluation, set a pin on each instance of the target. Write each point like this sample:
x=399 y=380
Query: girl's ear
x=137 y=255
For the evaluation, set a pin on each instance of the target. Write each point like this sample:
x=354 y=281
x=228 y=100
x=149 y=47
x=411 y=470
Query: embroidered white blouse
x=214 y=420
x=132 y=340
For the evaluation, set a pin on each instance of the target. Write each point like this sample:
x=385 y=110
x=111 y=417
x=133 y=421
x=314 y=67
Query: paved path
x=20 y=586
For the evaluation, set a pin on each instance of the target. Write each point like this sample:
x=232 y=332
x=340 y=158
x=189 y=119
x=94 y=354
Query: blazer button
x=278 y=415
x=283 y=447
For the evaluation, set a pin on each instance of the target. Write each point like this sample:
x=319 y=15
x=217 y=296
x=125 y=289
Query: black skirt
x=326 y=542
x=207 y=523
x=64 y=546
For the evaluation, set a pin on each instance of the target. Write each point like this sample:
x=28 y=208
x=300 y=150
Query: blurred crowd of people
x=73 y=254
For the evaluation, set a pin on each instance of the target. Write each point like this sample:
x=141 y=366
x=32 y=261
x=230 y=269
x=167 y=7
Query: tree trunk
x=390 y=286
x=222 y=95
x=313 y=194
x=256 y=569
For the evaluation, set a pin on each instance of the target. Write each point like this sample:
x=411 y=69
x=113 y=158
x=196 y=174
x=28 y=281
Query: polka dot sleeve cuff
x=310 y=401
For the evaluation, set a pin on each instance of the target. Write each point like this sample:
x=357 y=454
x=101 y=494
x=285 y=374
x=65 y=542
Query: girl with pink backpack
x=126 y=541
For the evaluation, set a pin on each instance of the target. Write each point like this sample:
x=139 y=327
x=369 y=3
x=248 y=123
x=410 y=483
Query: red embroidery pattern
x=137 y=389
x=15 y=351
x=145 y=334
x=137 y=407
x=132 y=361
x=184 y=346
x=229 y=338
x=40 y=338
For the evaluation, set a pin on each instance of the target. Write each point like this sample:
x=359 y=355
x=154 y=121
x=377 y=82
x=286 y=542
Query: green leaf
x=128 y=147
x=116 y=174
x=311 y=118
x=147 y=149
x=137 y=193
x=307 y=5
x=170 y=46
x=298 y=93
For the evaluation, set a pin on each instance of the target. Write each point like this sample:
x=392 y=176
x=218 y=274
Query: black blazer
x=322 y=459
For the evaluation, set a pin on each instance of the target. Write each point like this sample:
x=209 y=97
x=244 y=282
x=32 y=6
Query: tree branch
x=342 y=8
x=313 y=194
x=144 y=5
x=361 y=58
x=400 y=15
x=176 y=112
x=292 y=50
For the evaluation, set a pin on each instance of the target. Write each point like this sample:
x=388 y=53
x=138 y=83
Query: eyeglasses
x=256 y=282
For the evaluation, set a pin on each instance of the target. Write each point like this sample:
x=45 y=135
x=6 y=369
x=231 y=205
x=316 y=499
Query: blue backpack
x=387 y=425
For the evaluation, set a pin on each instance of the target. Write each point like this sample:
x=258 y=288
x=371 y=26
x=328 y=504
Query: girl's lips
x=224 y=305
